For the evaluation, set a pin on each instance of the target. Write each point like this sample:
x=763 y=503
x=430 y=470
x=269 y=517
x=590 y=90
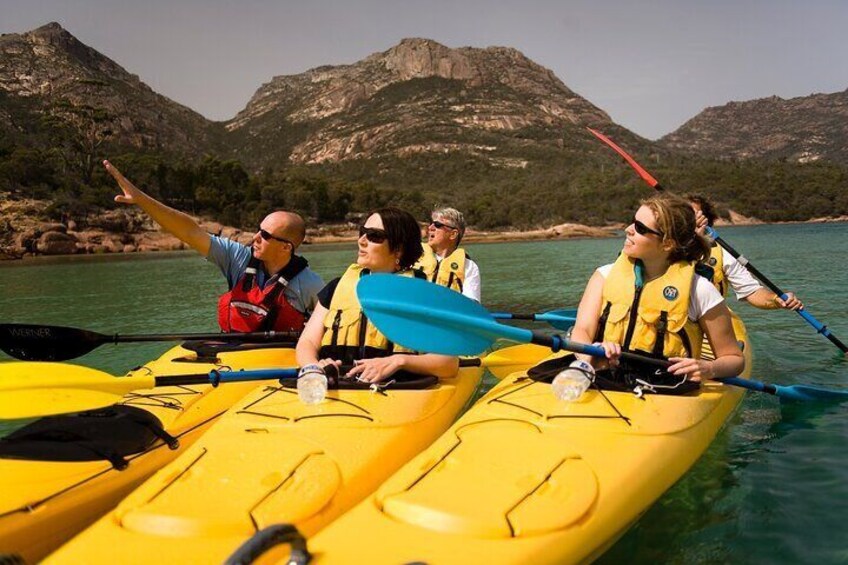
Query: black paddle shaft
x=822 y=329
x=32 y=342
x=252 y=336
x=557 y=343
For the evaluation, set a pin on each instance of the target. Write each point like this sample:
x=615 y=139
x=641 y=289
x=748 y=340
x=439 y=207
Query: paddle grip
x=216 y=377
x=558 y=343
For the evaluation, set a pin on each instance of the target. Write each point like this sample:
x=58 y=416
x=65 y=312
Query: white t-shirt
x=741 y=281
x=471 y=285
x=702 y=298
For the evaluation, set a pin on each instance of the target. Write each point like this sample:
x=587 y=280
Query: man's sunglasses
x=266 y=236
x=642 y=229
x=439 y=225
x=374 y=235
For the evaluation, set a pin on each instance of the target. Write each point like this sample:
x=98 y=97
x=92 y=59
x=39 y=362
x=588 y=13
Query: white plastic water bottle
x=311 y=384
x=570 y=384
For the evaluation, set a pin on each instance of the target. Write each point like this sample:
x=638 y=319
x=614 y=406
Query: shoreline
x=127 y=232
x=156 y=242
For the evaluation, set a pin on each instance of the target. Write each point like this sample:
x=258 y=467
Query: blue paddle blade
x=802 y=393
x=423 y=316
x=809 y=392
x=562 y=320
x=564 y=313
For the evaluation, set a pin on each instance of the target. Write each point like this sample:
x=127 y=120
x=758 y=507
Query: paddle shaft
x=557 y=343
x=217 y=377
x=653 y=183
x=543 y=317
x=559 y=319
x=32 y=342
x=820 y=328
x=790 y=392
x=252 y=336
x=750 y=385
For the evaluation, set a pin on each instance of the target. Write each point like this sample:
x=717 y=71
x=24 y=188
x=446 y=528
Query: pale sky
x=651 y=65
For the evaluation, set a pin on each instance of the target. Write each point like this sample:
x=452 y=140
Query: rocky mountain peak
x=387 y=103
x=53 y=33
x=53 y=41
x=421 y=58
x=47 y=72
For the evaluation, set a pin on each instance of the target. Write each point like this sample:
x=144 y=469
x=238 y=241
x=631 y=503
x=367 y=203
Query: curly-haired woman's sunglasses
x=642 y=229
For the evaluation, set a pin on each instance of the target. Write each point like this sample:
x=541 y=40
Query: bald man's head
x=287 y=225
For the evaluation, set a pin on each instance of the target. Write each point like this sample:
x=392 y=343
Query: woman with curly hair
x=651 y=300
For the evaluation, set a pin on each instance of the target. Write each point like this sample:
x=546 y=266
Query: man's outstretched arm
x=173 y=221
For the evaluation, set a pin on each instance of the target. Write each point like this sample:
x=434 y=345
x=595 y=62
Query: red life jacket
x=248 y=308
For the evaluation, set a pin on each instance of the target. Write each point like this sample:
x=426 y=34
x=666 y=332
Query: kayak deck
x=523 y=477
x=272 y=459
x=53 y=500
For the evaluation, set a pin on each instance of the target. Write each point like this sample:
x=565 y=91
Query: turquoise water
x=772 y=488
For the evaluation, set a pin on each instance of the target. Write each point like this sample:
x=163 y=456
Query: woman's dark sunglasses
x=642 y=229
x=374 y=235
x=266 y=236
x=439 y=225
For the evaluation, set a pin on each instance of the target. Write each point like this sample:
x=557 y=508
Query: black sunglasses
x=374 y=235
x=266 y=236
x=439 y=225
x=642 y=229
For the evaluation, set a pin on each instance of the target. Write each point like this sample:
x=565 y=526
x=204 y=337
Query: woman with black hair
x=338 y=332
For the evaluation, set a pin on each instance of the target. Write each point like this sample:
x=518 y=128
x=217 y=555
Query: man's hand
x=129 y=189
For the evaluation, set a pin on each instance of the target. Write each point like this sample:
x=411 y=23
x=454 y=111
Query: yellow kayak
x=272 y=459
x=525 y=478
x=60 y=473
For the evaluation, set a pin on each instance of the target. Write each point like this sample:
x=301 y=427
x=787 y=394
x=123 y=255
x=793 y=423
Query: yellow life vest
x=650 y=317
x=348 y=334
x=713 y=269
x=449 y=272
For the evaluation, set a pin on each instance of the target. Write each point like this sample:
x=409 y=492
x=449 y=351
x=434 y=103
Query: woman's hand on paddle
x=612 y=351
x=377 y=369
x=324 y=363
x=695 y=369
x=129 y=189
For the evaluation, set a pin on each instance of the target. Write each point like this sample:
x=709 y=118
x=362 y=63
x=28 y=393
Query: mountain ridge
x=486 y=130
x=802 y=129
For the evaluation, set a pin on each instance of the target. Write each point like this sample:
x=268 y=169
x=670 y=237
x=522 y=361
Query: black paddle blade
x=31 y=342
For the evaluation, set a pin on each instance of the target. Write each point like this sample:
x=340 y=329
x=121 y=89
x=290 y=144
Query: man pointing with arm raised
x=270 y=287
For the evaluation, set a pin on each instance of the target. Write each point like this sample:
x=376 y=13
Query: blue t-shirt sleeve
x=303 y=290
x=230 y=256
